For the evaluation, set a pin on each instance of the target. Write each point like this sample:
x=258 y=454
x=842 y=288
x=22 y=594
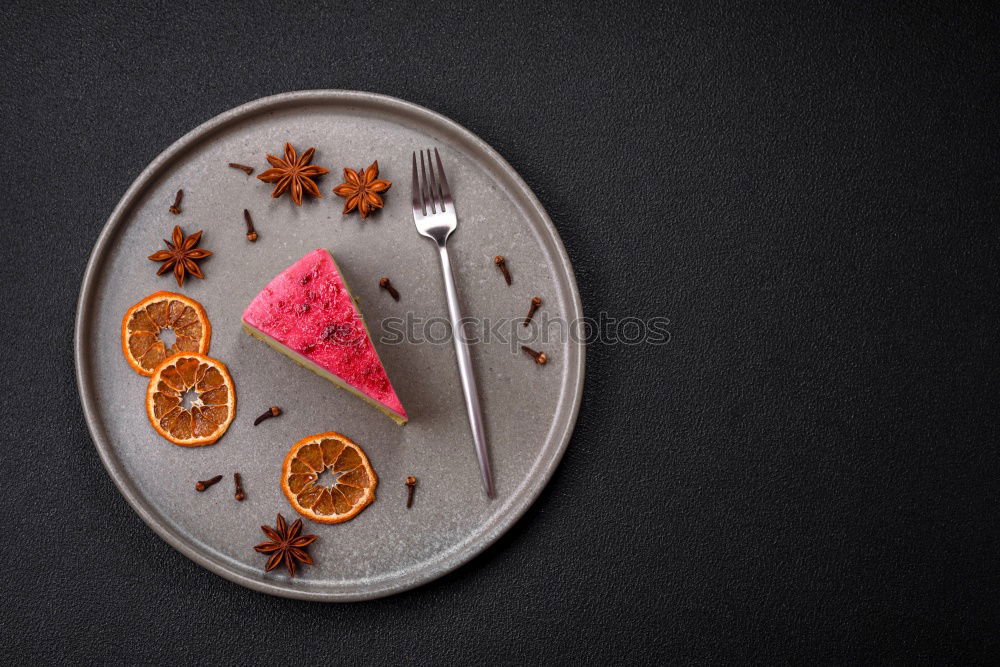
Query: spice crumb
x=540 y=357
x=535 y=303
x=411 y=483
x=273 y=411
x=387 y=285
x=240 y=494
x=175 y=208
x=251 y=232
x=501 y=263
x=204 y=484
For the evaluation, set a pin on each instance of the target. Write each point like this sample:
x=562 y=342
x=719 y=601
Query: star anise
x=294 y=174
x=286 y=546
x=180 y=256
x=361 y=190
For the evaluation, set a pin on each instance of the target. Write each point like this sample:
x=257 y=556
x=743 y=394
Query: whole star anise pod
x=180 y=256
x=362 y=190
x=286 y=546
x=294 y=174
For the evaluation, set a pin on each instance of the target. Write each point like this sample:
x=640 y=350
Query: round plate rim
x=466 y=551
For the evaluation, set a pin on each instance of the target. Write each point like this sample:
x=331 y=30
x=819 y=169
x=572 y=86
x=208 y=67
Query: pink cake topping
x=308 y=309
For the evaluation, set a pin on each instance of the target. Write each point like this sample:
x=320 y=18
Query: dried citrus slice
x=145 y=321
x=352 y=481
x=191 y=399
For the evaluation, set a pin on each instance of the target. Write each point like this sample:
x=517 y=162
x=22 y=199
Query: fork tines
x=430 y=190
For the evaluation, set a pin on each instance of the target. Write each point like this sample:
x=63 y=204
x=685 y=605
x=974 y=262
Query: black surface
x=807 y=471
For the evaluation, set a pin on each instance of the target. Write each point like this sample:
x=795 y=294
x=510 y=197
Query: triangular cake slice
x=307 y=312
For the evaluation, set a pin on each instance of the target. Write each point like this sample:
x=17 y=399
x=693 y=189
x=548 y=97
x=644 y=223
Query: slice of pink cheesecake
x=308 y=313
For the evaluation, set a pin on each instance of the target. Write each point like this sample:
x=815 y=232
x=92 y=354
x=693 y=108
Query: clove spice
x=273 y=411
x=502 y=265
x=386 y=284
x=243 y=167
x=240 y=495
x=411 y=483
x=539 y=357
x=175 y=208
x=201 y=486
x=535 y=303
x=251 y=232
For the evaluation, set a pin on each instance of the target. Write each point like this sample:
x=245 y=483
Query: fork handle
x=465 y=372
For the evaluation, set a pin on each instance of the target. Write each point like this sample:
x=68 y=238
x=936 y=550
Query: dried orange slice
x=144 y=322
x=207 y=385
x=351 y=487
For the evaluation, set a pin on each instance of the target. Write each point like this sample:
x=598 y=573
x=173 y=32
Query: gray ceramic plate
x=529 y=410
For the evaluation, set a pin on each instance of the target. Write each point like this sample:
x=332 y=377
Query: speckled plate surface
x=529 y=410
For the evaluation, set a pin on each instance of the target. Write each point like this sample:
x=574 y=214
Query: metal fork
x=434 y=216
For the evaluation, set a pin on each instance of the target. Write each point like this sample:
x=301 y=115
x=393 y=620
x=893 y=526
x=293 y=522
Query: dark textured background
x=807 y=471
